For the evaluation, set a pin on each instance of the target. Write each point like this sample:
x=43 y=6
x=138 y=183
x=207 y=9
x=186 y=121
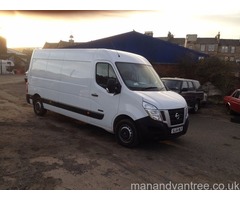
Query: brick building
x=225 y=49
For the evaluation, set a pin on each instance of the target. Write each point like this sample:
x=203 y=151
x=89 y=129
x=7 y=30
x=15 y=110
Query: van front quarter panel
x=131 y=106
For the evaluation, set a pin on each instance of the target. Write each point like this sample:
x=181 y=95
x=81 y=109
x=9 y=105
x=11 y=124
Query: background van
x=115 y=90
x=6 y=67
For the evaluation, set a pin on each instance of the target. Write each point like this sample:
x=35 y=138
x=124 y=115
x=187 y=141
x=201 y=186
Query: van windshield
x=140 y=77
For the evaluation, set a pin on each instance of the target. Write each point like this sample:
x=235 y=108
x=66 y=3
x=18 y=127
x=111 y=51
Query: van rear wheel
x=126 y=133
x=38 y=107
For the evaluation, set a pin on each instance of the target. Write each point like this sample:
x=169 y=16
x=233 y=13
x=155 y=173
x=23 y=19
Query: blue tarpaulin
x=154 y=49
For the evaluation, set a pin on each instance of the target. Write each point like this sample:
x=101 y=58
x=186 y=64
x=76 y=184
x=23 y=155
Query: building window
x=224 y=49
x=226 y=58
x=211 y=47
x=222 y=58
x=232 y=49
x=203 y=47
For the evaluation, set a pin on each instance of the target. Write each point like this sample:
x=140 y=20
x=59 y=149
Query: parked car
x=232 y=102
x=190 y=89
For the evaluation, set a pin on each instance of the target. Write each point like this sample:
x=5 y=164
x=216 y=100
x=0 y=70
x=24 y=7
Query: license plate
x=177 y=130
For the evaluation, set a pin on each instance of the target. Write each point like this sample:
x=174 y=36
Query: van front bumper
x=149 y=128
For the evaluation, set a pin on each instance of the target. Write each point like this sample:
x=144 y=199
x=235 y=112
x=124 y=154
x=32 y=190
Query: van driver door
x=103 y=103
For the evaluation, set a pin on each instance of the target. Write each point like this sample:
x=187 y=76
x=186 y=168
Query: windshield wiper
x=149 y=88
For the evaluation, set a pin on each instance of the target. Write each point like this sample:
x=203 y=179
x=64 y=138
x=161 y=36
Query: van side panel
x=63 y=80
x=75 y=84
x=45 y=77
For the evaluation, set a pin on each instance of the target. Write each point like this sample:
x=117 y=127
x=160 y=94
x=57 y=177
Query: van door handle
x=94 y=95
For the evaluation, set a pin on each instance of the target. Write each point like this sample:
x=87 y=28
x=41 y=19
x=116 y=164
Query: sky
x=33 y=25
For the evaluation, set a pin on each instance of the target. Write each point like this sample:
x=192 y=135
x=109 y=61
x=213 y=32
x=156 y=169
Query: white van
x=6 y=67
x=115 y=90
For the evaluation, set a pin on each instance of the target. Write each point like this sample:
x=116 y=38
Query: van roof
x=89 y=54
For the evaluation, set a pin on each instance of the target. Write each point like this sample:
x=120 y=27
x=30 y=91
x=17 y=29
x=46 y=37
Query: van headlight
x=152 y=111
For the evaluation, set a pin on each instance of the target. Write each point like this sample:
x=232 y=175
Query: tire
x=228 y=109
x=38 y=107
x=126 y=133
x=196 y=107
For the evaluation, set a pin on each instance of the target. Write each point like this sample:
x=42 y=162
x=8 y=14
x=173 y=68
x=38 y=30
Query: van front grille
x=176 y=116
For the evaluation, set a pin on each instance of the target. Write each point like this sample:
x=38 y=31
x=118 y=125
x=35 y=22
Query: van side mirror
x=113 y=87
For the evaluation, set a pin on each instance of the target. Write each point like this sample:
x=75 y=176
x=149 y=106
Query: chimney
x=170 y=36
x=190 y=38
x=218 y=37
x=149 y=33
x=71 y=39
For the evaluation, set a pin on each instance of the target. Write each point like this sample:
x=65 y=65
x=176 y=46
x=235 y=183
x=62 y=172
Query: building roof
x=207 y=41
x=60 y=44
x=179 y=41
x=48 y=45
x=13 y=51
x=154 y=49
x=229 y=42
x=221 y=42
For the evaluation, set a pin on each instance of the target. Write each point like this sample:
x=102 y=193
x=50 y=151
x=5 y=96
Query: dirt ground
x=56 y=152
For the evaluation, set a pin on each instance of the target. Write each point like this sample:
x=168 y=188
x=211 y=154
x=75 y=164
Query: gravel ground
x=56 y=152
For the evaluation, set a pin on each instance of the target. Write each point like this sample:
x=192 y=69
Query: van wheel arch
x=119 y=118
x=126 y=132
x=38 y=107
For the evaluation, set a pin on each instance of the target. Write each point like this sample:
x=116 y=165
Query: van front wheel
x=38 y=107
x=126 y=133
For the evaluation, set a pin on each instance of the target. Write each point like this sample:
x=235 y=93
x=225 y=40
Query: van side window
x=104 y=72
